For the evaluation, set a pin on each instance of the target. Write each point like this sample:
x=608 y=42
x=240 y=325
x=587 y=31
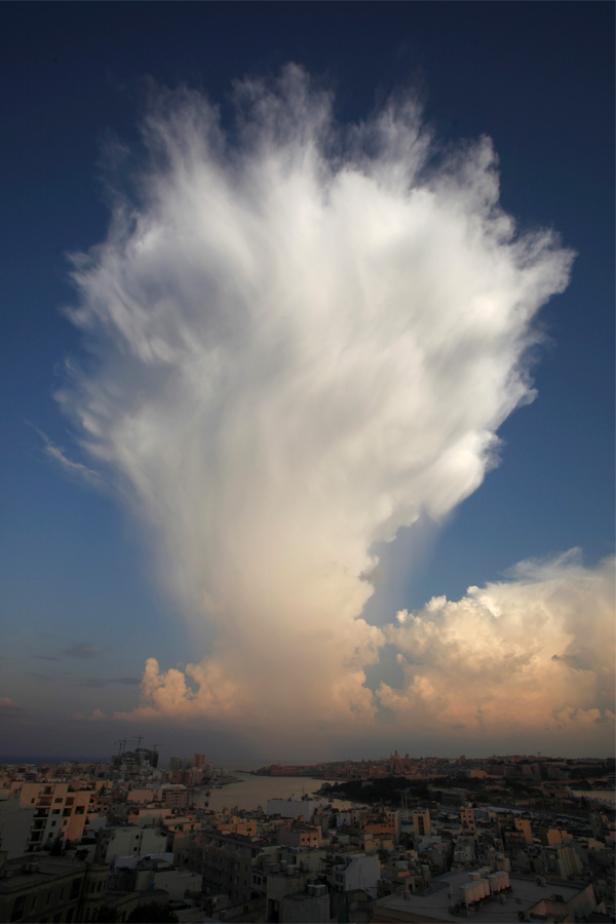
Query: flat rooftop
x=44 y=869
x=434 y=905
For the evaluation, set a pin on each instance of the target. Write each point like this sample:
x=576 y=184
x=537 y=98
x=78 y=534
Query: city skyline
x=308 y=380
x=390 y=840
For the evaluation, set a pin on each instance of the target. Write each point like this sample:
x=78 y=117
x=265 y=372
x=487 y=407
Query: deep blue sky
x=537 y=77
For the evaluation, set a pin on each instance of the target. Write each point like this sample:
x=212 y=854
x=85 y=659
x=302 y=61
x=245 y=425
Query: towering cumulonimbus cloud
x=302 y=338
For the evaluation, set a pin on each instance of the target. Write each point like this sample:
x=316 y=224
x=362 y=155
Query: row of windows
x=92 y=915
x=43 y=900
x=68 y=810
x=57 y=918
x=40 y=900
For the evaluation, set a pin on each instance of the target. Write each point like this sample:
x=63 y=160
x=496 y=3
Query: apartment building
x=15 y=826
x=227 y=866
x=467 y=819
x=60 y=813
x=48 y=889
x=131 y=841
x=421 y=822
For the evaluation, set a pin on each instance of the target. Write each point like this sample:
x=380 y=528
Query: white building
x=356 y=871
x=15 y=825
x=134 y=842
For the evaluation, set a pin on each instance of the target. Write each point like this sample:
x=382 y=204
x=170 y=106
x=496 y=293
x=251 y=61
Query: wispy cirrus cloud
x=81 y=650
x=71 y=466
x=95 y=715
x=99 y=682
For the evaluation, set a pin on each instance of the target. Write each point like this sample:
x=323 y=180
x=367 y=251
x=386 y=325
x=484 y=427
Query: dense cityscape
x=504 y=838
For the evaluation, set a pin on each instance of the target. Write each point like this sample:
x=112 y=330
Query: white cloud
x=302 y=340
x=71 y=466
x=531 y=653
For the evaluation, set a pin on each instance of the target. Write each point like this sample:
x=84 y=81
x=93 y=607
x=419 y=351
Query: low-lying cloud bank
x=532 y=654
x=301 y=338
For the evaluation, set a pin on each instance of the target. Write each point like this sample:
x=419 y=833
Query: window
x=75 y=888
x=80 y=810
x=18 y=908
